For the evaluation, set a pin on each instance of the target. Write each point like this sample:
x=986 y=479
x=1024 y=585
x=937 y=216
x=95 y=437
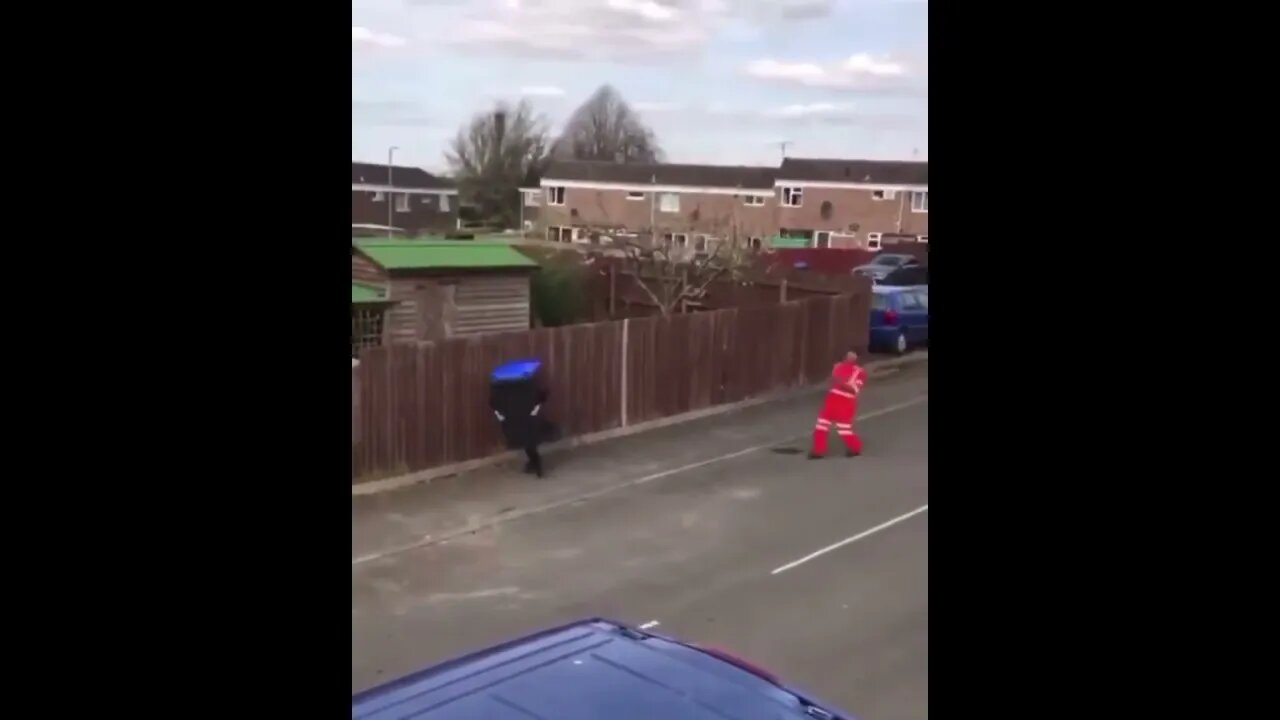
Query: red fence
x=420 y=406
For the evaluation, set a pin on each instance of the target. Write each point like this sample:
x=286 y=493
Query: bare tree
x=606 y=128
x=493 y=153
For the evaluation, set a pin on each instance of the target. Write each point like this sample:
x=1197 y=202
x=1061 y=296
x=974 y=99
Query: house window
x=873 y=241
x=679 y=239
x=531 y=199
x=756 y=243
x=700 y=243
x=425 y=199
x=444 y=203
x=792 y=197
x=402 y=202
x=366 y=329
x=884 y=194
x=379 y=196
x=822 y=239
x=920 y=202
x=923 y=238
x=635 y=196
x=555 y=196
x=669 y=203
x=753 y=200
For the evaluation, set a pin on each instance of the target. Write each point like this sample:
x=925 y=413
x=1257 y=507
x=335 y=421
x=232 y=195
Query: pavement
x=718 y=531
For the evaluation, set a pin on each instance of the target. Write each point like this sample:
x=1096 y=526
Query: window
x=879 y=301
x=444 y=203
x=379 y=196
x=884 y=194
x=402 y=202
x=753 y=200
x=920 y=202
x=679 y=239
x=635 y=196
x=792 y=197
x=424 y=199
x=822 y=239
x=531 y=198
x=910 y=301
x=873 y=241
x=923 y=238
x=555 y=196
x=700 y=243
x=669 y=203
x=756 y=243
x=366 y=330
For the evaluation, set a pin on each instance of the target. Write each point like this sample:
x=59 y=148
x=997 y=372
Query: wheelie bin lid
x=515 y=370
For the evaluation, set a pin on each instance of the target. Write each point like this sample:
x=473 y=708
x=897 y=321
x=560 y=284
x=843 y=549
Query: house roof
x=442 y=254
x=401 y=176
x=367 y=293
x=889 y=172
x=721 y=176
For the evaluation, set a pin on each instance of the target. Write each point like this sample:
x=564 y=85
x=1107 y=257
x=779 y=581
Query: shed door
x=491 y=304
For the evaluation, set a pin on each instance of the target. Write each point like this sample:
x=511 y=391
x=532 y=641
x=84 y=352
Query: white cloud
x=634 y=29
x=805 y=110
x=541 y=91
x=365 y=36
x=856 y=72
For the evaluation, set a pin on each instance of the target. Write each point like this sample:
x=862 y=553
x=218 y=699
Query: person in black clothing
x=518 y=406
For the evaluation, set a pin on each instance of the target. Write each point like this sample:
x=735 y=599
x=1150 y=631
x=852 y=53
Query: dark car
x=906 y=276
x=884 y=264
x=595 y=669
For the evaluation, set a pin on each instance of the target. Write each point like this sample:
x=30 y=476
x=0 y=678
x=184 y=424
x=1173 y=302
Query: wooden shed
x=446 y=288
x=369 y=305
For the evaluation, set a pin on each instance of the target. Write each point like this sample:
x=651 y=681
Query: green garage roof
x=442 y=254
x=364 y=293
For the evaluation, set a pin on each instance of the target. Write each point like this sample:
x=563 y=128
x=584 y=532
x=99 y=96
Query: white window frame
x=552 y=190
x=755 y=243
x=792 y=196
x=663 y=205
x=531 y=198
x=753 y=200
x=923 y=205
x=424 y=199
x=379 y=196
x=922 y=239
x=402 y=202
x=882 y=195
x=634 y=196
x=874 y=241
x=679 y=239
x=444 y=202
x=818 y=245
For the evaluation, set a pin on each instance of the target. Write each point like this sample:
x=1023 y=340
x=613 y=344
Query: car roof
x=892 y=289
x=587 y=670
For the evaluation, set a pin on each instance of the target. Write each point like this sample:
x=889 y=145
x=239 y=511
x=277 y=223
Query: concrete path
x=817 y=570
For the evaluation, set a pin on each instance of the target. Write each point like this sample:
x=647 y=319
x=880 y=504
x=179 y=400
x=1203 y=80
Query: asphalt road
x=696 y=550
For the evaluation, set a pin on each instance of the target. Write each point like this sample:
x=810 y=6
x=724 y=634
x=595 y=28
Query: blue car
x=899 y=317
x=595 y=669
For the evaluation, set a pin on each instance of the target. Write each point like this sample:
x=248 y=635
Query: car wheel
x=900 y=345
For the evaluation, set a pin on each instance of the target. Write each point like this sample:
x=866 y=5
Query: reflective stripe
x=845 y=433
x=821 y=427
x=841 y=393
x=823 y=421
x=844 y=426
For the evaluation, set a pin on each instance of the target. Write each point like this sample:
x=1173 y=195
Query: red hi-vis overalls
x=839 y=408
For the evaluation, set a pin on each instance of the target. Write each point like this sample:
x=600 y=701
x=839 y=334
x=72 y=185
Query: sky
x=719 y=81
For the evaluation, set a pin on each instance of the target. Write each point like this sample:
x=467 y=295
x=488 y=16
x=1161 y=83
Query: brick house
x=419 y=202
x=853 y=203
x=689 y=204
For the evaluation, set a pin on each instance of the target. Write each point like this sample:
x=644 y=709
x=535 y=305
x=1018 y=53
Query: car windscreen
x=879 y=302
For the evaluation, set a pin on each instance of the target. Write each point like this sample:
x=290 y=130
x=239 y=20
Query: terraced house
x=828 y=202
x=687 y=204
x=409 y=199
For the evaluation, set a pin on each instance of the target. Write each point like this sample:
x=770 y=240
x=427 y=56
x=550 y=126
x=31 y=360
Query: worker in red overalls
x=839 y=407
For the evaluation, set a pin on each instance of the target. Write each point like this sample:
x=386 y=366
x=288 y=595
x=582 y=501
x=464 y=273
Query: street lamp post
x=391 y=151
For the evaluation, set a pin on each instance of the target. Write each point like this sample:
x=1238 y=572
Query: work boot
x=850 y=453
x=814 y=456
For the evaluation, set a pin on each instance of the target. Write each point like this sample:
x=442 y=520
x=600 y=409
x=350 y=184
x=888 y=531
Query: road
x=712 y=540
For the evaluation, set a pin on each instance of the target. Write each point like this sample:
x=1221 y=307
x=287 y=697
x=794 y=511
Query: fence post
x=626 y=325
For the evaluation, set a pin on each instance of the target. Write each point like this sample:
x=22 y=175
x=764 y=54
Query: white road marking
x=853 y=539
x=650 y=624
x=490 y=522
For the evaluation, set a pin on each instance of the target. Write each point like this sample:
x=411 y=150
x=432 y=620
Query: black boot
x=850 y=453
x=814 y=456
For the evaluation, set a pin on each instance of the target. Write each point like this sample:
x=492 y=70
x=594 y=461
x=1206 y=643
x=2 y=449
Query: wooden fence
x=420 y=406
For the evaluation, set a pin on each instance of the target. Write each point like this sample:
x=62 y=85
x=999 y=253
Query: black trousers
x=534 y=465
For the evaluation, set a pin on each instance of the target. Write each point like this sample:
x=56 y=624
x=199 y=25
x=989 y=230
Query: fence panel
x=424 y=405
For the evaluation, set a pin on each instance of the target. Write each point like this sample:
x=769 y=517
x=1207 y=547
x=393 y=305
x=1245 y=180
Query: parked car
x=595 y=669
x=899 y=318
x=906 y=275
x=884 y=264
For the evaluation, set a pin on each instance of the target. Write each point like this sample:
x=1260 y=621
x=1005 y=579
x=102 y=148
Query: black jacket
x=518 y=407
